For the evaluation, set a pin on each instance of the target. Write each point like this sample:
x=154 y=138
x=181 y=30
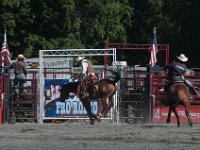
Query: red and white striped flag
x=154 y=50
x=5 y=53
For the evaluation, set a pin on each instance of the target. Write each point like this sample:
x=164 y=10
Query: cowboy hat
x=20 y=56
x=78 y=59
x=182 y=58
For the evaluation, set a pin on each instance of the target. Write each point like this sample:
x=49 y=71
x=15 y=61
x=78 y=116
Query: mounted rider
x=176 y=71
x=88 y=73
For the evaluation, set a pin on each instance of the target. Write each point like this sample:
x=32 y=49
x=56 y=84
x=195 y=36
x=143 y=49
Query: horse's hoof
x=92 y=122
x=168 y=121
x=98 y=119
x=100 y=115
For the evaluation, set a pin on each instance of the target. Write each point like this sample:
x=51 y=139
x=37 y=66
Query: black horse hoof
x=92 y=122
x=168 y=121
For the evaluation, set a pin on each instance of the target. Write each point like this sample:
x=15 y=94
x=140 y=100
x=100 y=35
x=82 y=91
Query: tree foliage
x=55 y=24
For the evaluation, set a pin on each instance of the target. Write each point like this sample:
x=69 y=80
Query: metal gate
x=135 y=104
x=23 y=107
x=63 y=109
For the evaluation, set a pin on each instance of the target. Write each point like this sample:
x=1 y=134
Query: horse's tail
x=116 y=74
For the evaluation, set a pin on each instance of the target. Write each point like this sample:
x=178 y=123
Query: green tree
x=42 y=24
x=182 y=28
x=104 y=21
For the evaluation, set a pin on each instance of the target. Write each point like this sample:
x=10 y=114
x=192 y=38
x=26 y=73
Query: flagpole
x=5 y=59
x=5 y=35
x=153 y=48
x=155 y=35
x=154 y=31
x=2 y=61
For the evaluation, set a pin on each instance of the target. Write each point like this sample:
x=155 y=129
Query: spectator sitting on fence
x=20 y=71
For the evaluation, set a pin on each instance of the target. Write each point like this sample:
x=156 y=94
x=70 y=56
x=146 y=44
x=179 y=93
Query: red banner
x=160 y=114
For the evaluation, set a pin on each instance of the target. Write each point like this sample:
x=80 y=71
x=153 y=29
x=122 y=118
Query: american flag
x=154 y=50
x=5 y=54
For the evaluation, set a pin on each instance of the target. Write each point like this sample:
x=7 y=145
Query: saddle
x=171 y=84
x=173 y=80
x=164 y=100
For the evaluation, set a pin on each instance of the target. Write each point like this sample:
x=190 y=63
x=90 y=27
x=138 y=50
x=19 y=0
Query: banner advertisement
x=71 y=107
x=160 y=114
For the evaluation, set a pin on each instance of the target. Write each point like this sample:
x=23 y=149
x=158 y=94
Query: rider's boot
x=191 y=88
x=86 y=94
x=16 y=90
x=195 y=91
x=24 y=92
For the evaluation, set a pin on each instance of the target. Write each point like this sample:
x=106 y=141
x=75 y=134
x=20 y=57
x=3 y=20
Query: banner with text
x=160 y=114
x=71 y=107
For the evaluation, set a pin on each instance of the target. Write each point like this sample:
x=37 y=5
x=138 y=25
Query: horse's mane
x=67 y=88
x=70 y=86
x=116 y=74
x=108 y=81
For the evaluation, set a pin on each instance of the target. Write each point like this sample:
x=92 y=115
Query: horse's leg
x=102 y=113
x=188 y=115
x=176 y=114
x=109 y=107
x=86 y=104
x=169 y=115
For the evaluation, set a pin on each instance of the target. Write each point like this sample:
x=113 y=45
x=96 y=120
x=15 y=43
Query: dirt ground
x=101 y=136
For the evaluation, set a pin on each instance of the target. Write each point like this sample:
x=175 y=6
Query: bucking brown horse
x=100 y=90
x=178 y=94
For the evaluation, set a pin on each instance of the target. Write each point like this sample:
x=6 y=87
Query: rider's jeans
x=20 y=81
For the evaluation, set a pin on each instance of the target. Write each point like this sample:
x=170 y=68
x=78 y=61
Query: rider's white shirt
x=84 y=63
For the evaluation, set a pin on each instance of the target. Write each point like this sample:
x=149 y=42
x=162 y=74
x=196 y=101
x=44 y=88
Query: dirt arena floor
x=101 y=136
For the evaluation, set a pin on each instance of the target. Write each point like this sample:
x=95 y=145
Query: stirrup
x=85 y=94
x=16 y=91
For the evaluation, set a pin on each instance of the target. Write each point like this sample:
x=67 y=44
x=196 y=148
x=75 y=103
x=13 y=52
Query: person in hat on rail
x=20 y=72
x=87 y=71
x=176 y=71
